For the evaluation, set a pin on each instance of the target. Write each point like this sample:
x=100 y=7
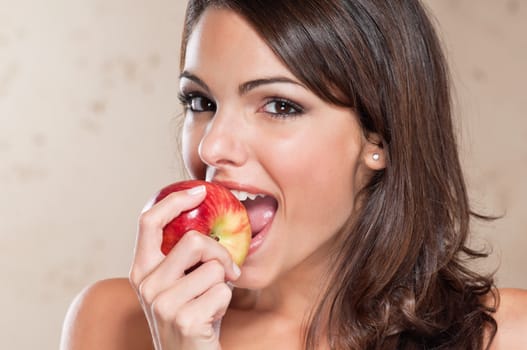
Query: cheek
x=190 y=140
x=319 y=185
x=327 y=186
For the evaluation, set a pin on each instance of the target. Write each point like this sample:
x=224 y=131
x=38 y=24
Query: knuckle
x=183 y=323
x=147 y=292
x=147 y=221
x=194 y=238
x=134 y=278
x=223 y=291
x=159 y=309
x=216 y=271
x=194 y=241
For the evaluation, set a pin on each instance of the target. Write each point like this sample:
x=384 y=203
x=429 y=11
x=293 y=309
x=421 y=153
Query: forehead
x=223 y=41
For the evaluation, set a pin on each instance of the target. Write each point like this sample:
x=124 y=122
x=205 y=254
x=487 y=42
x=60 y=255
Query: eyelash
x=288 y=104
x=187 y=100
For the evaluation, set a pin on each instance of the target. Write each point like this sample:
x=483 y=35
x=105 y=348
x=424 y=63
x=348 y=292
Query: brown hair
x=400 y=278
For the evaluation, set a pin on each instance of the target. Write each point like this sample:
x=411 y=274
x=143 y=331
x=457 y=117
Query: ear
x=373 y=153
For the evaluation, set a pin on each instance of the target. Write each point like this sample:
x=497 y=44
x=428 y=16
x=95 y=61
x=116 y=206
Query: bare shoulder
x=106 y=315
x=511 y=317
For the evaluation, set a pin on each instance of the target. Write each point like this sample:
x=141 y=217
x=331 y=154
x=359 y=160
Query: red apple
x=220 y=216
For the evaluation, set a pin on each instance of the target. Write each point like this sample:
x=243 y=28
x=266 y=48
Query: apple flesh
x=221 y=216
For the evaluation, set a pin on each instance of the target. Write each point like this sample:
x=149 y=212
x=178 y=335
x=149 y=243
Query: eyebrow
x=244 y=88
x=195 y=79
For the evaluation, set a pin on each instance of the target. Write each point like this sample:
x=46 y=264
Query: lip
x=233 y=185
x=259 y=239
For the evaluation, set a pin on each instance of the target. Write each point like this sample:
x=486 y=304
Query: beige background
x=88 y=113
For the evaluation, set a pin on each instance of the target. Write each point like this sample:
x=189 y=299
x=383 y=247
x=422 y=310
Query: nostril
x=220 y=147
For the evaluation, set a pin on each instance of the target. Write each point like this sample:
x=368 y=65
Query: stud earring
x=376 y=156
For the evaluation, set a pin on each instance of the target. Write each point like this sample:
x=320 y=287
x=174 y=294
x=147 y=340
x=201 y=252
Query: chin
x=254 y=278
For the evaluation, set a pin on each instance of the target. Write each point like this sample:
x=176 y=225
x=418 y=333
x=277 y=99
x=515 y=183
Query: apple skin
x=220 y=216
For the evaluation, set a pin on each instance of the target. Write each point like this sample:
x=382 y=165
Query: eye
x=279 y=107
x=196 y=102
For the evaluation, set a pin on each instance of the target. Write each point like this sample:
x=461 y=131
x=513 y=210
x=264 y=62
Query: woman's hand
x=182 y=308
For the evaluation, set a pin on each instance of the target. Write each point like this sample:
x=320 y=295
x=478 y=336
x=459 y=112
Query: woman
x=338 y=113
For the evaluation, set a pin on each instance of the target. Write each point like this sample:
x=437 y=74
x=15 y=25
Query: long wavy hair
x=400 y=279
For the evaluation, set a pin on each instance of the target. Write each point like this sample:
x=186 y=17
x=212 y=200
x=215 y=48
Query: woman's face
x=253 y=126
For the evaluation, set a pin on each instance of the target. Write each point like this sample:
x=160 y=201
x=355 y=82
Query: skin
x=178 y=310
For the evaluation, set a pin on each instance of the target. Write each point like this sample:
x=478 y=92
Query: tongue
x=261 y=212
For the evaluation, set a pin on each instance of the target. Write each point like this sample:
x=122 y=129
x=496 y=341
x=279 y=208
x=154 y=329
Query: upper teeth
x=242 y=195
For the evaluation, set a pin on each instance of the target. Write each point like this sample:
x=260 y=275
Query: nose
x=223 y=143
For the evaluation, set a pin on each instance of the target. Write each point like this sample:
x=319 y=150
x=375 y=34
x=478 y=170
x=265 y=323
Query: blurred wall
x=487 y=47
x=88 y=114
x=88 y=104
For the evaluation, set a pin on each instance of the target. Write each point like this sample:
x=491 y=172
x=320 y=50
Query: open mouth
x=261 y=209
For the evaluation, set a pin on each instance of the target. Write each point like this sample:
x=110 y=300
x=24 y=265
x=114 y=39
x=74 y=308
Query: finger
x=192 y=250
x=195 y=319
x=195 y=248
x=147 y=254
x=202 y=314
x=176 y=293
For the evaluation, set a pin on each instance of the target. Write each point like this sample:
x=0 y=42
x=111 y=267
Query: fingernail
x=236 y=269
x=194 y=191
